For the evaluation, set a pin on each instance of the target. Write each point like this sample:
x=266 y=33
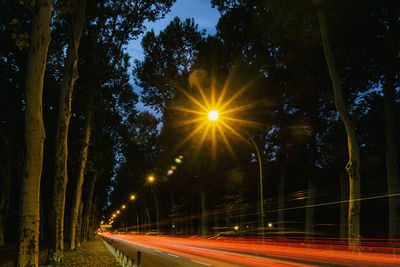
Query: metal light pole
x=261 y=184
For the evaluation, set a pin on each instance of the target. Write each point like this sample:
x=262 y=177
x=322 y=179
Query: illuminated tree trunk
x=29 y=216
x=87 y=207
x=78 y=233
x=75 y=23
x=353 y=165
x=77 y=195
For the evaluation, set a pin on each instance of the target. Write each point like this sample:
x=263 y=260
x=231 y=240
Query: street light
x=150 y=178
x=123 y=207
x=132 y=197
x=213 y=115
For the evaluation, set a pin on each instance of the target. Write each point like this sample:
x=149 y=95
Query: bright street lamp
x=123 y=207
x=132 y=197
x=213 y=115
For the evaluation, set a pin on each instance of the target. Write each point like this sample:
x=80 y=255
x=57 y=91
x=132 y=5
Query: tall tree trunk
x=76 y=21
x=391 y=149
x=78 y=230
x=5 y=200
x=28 y=239
x=281 y=200
x=353 y=165
x=87 y=207
x=77 y=195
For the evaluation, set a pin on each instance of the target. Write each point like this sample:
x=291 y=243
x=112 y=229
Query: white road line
x=157 y=250
x=201 y=262
x=176 y=256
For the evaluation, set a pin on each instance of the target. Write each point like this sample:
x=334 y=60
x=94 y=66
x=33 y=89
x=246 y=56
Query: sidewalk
x=93 y=253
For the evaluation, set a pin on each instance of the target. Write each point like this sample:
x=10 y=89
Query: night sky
x=202 y=12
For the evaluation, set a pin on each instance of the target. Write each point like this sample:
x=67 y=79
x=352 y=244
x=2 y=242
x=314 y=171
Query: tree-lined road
x=194 y=251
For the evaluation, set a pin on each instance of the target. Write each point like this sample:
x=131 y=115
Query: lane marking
x=176 y=256
x=157 y=250
x=201 y=262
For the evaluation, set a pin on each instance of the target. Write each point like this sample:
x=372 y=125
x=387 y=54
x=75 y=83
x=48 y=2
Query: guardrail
x=121 y=257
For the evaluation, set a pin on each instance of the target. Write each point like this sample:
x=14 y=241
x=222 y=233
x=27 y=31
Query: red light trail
x=271 y=252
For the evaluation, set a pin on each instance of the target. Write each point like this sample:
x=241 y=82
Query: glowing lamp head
x=150 y=178
x=123 y=207
x=213 y=115
x=118 y=211
x=133 y=197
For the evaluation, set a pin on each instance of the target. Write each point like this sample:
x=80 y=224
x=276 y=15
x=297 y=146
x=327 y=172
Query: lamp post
x=261 y=184
x=213 y=116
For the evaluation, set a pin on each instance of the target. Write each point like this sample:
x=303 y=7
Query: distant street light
x=132 y=197
x=150 y=178
x=123 y=207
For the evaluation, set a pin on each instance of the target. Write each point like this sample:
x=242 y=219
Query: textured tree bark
x=28 y=239
x=353 y=165
x=78 y=233
x=56 y=241
x=87 y=207
x=77 y=195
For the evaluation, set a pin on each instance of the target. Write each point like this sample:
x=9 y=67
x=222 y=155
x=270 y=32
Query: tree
x=75 y=16
x=353 y=165
x=28 y=242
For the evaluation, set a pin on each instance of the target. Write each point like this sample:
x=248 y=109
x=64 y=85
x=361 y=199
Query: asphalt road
x=178 y=251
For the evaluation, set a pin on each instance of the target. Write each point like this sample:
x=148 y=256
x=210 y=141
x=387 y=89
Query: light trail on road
x=270 y=252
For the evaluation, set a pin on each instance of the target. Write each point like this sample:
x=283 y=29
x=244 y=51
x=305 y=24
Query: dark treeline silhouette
x=313 y=86
x=322 y=86
x=60 y=137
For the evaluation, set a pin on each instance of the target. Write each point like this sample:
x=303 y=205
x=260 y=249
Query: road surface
x=226 y=252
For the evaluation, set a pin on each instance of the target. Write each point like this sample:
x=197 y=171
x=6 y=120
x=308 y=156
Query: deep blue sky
x=205 y=16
